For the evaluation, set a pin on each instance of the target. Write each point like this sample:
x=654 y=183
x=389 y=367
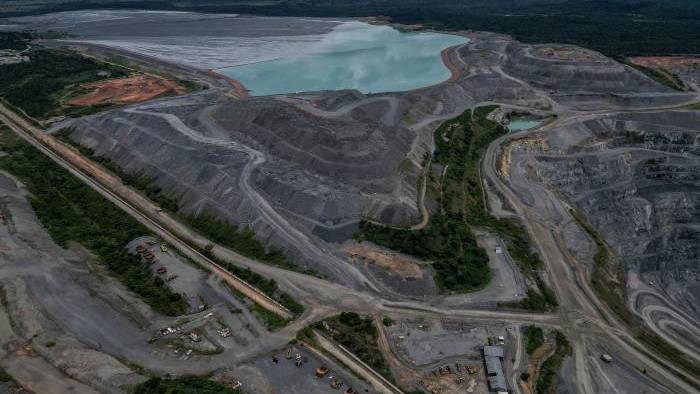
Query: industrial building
x=493 y=355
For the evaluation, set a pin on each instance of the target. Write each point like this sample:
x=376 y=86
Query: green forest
x=359 y=335
x=95 y=223
x=614 y=27
x=459 y=264
x=241 y=241
x=547 y=380
x=38 y=86
x=14 y=40
x=188 y=384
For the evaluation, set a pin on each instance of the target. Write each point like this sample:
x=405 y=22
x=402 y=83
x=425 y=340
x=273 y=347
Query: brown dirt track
x=668 y=62
x=133 y=89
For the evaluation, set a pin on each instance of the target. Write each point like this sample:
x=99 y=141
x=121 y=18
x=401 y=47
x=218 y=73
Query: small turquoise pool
x=355 y=55
x=523 y=124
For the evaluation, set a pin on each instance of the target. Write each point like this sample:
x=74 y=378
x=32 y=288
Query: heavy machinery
x=321 y=372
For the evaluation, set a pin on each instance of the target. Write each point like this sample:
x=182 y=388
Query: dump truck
x=321 y=372
x=606 y=357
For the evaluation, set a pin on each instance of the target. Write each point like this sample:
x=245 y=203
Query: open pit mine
x=588 y=228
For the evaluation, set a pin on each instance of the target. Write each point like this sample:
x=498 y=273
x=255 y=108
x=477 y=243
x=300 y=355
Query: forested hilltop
x=614 y=27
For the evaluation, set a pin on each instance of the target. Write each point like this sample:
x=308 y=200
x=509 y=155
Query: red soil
x=133 y=89
x=238 y=89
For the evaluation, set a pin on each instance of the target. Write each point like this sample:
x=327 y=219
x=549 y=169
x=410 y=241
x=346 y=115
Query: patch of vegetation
x=694 y=106
x=268 y=286
x=534 y=338
x=38 y=85
x=305 y=335
x=50 y=344
x=190 y=86
x=388 y=322
x=188 y=384
x=447 y=240
x=243 y=241
x=211 y=227
x=547 y=379
x=139 y=182
x=72 y=211
x=663 y=77
x=359 y=335
x=5 y=377
x=614 y=27
x=606 y=284
x=13 y=40
x=460 y=264
x=271 y=320
x=608 y=287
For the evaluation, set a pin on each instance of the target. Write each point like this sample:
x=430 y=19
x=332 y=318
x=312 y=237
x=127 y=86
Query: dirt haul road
x=581 y=313
x=587 y=316
x=112 y=188
x=324 y=297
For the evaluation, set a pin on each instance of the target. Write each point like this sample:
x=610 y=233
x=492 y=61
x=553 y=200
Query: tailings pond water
x=354 y=55
x=523 y=124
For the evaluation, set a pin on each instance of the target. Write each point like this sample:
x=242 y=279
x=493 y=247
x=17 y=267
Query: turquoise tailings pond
x=354 y=55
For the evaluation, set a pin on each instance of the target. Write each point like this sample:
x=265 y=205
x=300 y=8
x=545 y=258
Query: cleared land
x=130 y=90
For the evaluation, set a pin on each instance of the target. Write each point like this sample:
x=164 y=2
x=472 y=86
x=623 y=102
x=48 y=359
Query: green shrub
x=72 y=211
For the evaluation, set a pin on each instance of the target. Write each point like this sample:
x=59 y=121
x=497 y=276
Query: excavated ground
x=634 y=177
x=303 y=169
x=133 y=89
x=687 y=68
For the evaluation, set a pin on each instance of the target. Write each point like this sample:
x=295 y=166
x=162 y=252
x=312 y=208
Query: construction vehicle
x=171 y=277
x=289 y=354
x=163 y=248
x=231 y=383
x=161 y=270
x=297 y=360
x=606 y=357
x=194 y=337
x=349 y=391
x=226 y=332
x=336 y=384
x=321 y=372
x=141 y=248
x=472 y=370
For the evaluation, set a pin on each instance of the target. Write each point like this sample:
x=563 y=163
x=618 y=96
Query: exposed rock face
x=547 y=66
x=636 y=178
x=303 y=169
x=584 y=79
